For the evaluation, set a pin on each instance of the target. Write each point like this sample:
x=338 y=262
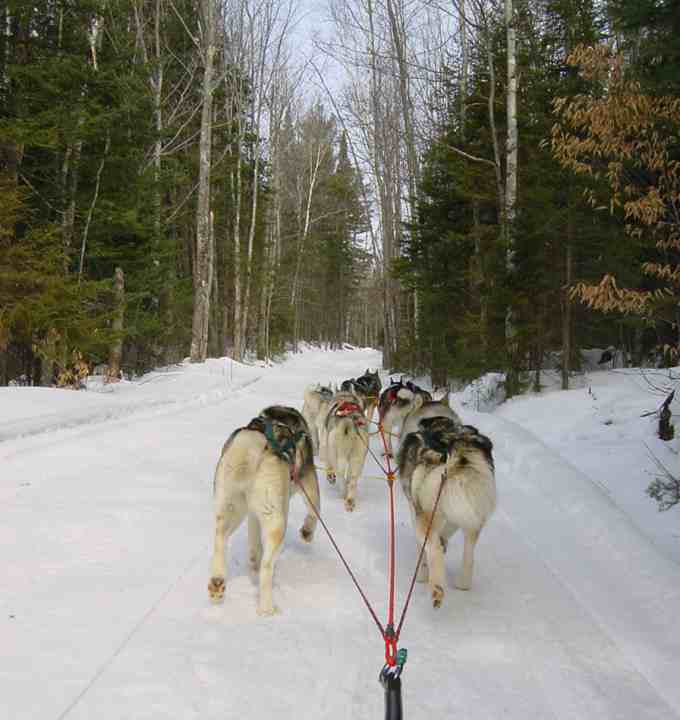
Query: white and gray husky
x=367 y=388
x=427 y=409
x=317 y=401
x=397 y=402
x=344 y=443
x=468 y=495
x=255 y=476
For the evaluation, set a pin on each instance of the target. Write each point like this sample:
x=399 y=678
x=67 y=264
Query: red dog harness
x=351 y=408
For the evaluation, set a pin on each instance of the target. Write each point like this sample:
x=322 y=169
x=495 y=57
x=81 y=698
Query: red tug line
x=394 y=660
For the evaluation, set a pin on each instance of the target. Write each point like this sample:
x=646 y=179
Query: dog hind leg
x=350 y=485
x=313 y=430
x=331 y=458
x=273 y=531
x=423 y=572
x=435 y=558
x=464 y=581
x=254 y=542
x=310 y=483
x=355 y=466
x=227 y=519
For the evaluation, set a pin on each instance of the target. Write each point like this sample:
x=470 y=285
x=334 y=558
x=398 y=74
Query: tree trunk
x=511 y=195
x=462 y=90
x=90 y=212
x=157 y=88
x=398 y=39
x=479 y=285
x=71 y=165
x=566 y=312
x=236 y=186
x=204 y=246
x=48 y=357
x=116 y=350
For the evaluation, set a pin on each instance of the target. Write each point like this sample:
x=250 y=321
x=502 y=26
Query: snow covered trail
x=104 y=543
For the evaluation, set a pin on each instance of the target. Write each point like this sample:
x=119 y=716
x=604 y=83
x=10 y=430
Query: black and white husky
x=428 y=409
x=255 y=476
x=396 y=403
x=344 y=443
x=461 y=455
x=368 y=388
x=317 y=401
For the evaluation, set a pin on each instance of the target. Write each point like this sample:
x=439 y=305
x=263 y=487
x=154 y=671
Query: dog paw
x=216 y=589
x=462 y=585
x=330 y=476
x=306 y=534
x=350 y=504
x=254 y=562
x=268 y=611
x=437 y=596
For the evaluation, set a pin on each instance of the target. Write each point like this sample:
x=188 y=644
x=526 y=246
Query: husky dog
x=255 y=476
x=370 y=383
x=320 y=423
x=467 y=499
x=317 y=398
x=428 y=409
x=366 y=388
x=345 y=443
x=396 y=402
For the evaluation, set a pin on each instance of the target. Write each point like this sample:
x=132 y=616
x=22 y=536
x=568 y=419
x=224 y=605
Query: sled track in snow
x=135 y=629
x=57 y=428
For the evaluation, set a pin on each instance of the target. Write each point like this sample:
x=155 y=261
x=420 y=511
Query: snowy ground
x=603 y=428
x=104 y=544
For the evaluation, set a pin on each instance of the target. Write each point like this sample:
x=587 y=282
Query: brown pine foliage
x=622 y=135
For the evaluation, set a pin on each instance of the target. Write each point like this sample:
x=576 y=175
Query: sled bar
x=392 y=685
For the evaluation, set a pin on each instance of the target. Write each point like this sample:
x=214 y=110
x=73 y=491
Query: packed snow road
x=104 y=545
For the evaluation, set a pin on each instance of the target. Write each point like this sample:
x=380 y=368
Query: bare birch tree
x=258 y=40
x=511 y=152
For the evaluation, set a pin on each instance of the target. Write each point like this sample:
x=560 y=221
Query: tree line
x=168 y=189
x=492 y=183
x=524 y=162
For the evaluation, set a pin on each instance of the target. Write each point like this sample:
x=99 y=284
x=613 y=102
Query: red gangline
x=391 y=638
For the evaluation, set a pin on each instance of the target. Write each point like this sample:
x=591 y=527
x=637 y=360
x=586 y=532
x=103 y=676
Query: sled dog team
x=266 y=462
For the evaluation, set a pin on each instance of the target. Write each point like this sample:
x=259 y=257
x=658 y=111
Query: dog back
x=441 y=440
x=299 y=430
x=432 y=409
x=344 y=404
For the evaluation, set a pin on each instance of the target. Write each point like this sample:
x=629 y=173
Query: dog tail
x=310 y=392
x=345 y=437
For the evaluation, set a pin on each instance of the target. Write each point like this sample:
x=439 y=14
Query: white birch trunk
x=512 y=139
x=236 y=194
x=90 y=212
x=511 y=189
x=157 y=88
x=464 y=68
x=204 y=260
